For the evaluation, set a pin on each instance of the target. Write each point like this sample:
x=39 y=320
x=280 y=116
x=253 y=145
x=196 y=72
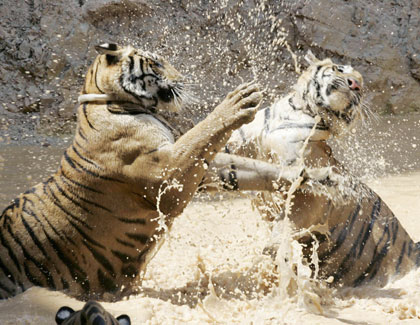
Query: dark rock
x=46 y=46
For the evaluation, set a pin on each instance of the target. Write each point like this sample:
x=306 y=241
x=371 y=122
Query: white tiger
x=364 y=243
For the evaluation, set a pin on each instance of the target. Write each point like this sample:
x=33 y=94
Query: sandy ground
x=210 y=270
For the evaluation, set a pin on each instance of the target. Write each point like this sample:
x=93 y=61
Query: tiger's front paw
x=240 y=106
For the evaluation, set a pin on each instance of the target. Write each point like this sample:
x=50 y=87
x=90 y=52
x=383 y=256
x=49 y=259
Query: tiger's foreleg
x=185 y=161
x=232 y=172
x=198 y=147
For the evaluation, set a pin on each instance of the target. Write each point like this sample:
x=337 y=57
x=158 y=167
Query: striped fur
x=91 y=228
x=92 y=313
x=366 y=243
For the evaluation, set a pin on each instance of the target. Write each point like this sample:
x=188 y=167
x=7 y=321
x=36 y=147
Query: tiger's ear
x=107 y=48
x=311 y=58
x=62 y=314
x=124 y=320
x=111 y=50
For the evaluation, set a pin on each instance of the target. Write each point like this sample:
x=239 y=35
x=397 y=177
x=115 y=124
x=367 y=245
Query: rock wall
x=46 y=47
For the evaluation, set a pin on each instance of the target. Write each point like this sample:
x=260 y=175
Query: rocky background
x=46 y=47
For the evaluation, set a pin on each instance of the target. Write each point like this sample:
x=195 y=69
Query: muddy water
x=24 y=166
x=211 y=264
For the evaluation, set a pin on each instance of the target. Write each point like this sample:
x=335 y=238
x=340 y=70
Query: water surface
x=211 y=261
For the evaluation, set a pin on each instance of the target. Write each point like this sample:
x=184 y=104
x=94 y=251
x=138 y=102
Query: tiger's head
x=92 y=313
x=332 y=91
x=126 y=74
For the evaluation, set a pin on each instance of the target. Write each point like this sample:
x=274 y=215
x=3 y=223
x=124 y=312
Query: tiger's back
x=38 y=230
x=89 y=227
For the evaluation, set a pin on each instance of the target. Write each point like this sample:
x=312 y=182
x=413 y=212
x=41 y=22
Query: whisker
x=177 y=100
x=194 y=84
x=185 y=94
x=370 y=113
x=365 y=114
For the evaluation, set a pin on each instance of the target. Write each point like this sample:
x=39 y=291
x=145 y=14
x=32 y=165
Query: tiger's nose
x=353 y=84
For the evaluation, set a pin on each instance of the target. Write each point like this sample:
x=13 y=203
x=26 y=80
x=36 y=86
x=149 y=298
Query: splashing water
x=295 y=281
x=161 y=219
x=210 y=268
